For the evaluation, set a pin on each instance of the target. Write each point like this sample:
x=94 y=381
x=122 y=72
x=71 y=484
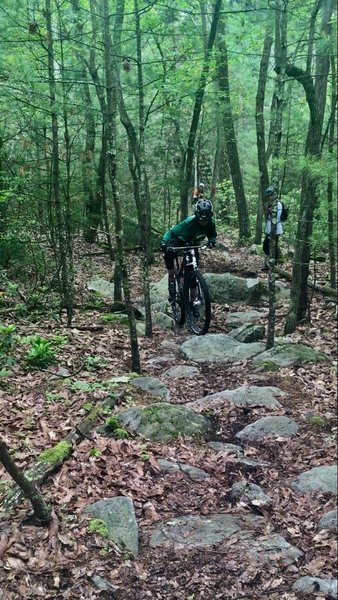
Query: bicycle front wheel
x=198 y=305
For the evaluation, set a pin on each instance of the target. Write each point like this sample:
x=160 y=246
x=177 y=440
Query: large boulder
x=163 y=421
x=119 y=517
x=284 y=355
x=225 y=288
x=218 y=347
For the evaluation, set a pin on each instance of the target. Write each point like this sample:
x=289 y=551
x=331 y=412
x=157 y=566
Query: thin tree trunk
x=187 y=167
x=280 y=62
x=260 y=130
x=230 y=138
x=66 y=291
x=40 y=508
x=112 y=163
x=330 y=199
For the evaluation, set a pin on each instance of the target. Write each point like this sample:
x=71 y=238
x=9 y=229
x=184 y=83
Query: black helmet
x=269 y=191
x=203 y=210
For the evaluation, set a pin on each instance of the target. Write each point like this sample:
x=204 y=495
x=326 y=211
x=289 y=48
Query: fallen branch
x=327 y=291
x=52 y=459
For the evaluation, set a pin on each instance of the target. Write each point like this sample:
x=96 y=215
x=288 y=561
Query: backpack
x=284 y=213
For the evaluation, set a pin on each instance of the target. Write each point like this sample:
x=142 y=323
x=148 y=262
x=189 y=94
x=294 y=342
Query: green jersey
x=191 y=231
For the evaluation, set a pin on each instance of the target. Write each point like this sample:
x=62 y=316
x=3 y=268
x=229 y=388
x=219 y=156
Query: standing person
x=270 y=200
x=190 y=231
x=198 y=192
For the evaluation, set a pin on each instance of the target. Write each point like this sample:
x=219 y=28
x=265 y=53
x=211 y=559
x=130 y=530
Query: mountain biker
x=270 y=200
x=190 y=231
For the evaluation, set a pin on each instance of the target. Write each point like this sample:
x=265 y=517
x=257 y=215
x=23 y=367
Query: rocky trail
x=214 y=474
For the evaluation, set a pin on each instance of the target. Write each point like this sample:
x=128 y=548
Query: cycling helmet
x=269 y=191
x=203 y=210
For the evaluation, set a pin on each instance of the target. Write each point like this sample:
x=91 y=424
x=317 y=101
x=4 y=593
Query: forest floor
x=38 y=409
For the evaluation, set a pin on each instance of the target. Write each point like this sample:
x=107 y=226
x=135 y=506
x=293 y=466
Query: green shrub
x=41 y=354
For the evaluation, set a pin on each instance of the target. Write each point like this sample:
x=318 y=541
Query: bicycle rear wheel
x=177 y=305
x=198 y=305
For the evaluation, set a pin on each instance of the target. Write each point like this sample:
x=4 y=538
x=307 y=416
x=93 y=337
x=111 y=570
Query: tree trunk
x=40 y=508
x=66 y=291
x=260 y=130
x=230 y=138
x=112 y=163
x=280 y=62
x=300 y=267
x=330 y=199
x=187 y=167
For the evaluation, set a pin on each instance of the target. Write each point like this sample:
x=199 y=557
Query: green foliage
x=113 y=423
x=41 y=354
x=121 y=434
x=95 y=452
x=6 y=338
x=88 y=406
x=98 y=526
x=317 y=421
x=94 y=363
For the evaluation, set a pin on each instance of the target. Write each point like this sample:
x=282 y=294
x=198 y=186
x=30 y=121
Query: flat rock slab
x=194 y=473
x=318 y=479
x=285 y=355
x=246 y=395
x=315 y=586
x=218 y=347
x=119 y=516
x=152 y=386
x=181 y=371
x=329 y=521
x=163 y=421
x=268 y=426
x=197 y=532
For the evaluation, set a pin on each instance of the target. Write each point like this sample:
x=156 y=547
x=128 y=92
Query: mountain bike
x=192 y=300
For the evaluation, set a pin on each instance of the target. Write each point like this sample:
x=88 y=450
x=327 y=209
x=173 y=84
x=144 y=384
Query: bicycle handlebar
x=201 y=247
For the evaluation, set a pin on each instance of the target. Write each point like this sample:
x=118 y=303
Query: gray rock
x=181 y=371
x=101 y=286
x=244 y=317
x=268 y=426
x=152 y=385
x=315 y=586
x=119 y=516
x=225 y=447
x=218 y=347
x=159 y=360
x=225 y=288
x=197 y=532
x=246 y=395
x=329 y=521
x=248 y=333
x=318 y=479
x=170 y=345
x=163 y=421
x=163 y=321
x=288 y=354
x=193 y=472
x=104 y=585
x=250 y=492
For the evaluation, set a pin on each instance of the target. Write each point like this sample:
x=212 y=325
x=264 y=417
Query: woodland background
x=112 y=111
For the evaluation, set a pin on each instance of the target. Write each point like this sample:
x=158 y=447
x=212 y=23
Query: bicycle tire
x=178 y=306
x=197 y=323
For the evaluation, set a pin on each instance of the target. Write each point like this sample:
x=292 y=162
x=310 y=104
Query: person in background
x=270 y=201
x=190 y=231
x=198 y=192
